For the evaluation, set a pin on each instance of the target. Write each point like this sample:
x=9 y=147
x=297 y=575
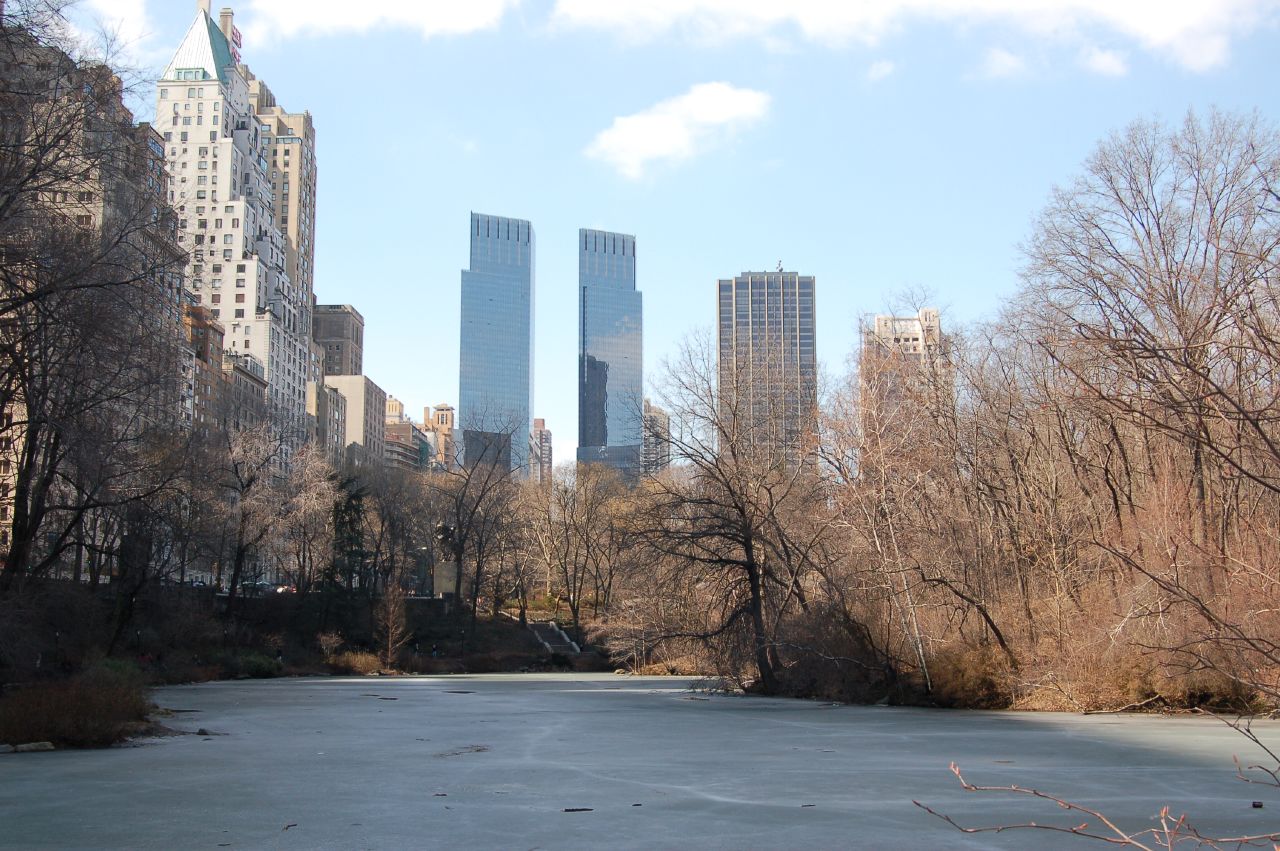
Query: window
x=239 y=298
x=84 y=197
x=84 y=221
x=164 y=94
x=239 y=313
x=216 y=299
x=191 y=93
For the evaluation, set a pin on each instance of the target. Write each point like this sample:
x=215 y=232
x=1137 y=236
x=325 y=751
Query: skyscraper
x=610 y=352
x=249 y=227
x=767 y=360
x=495 y=374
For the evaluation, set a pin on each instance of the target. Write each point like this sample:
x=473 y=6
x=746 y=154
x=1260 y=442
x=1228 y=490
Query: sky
x=884 y=146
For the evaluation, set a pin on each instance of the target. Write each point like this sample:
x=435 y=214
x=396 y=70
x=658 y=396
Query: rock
x=34 y=747
x=6 y=748
x=202 y=732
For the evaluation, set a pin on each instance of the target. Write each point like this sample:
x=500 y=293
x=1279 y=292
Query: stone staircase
x=553 y=638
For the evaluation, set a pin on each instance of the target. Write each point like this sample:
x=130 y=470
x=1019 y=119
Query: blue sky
x=879 y=145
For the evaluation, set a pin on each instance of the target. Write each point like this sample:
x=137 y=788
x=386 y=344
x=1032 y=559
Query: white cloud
x=1194 y=33
x=879 y=70
x=1109 y=63
x=124 y=27
x=677 y=129
x=271 y=20
x=1000 y=63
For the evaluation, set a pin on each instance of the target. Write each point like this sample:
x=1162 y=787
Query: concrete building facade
x=366 y=417
x=339 y=331
x=327 y=409
x=439 y=421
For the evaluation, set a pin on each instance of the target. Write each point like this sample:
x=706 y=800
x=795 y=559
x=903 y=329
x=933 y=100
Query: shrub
x=250 y=665
x=355 y=662
x=93 y=709
x=971 y=677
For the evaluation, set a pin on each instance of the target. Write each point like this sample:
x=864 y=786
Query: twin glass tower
x=495 y=387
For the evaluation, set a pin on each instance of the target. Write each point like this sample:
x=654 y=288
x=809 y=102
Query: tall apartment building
x=656 y=454
x=86 y=203
x=903 y=371
x=339 y=330
x=366 y=411
x=495 y=375
x=541 y=461
x=250 y=240
x=916 y=337
x=768 y=363
x=610 y=352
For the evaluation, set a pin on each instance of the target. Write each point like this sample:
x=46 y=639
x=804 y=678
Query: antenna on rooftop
x=779 y=265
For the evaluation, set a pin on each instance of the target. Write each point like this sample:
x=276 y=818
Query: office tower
x=656 y=455
x=540 y=460
x=366 y=425
x=250 y=239
x=339 y=330
x=767 y=362
x=495 y=380
x=610 y=352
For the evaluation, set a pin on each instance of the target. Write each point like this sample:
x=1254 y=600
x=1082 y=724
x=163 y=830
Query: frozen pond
x=583 y=761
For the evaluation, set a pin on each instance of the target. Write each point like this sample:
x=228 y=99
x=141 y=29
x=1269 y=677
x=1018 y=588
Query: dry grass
x=355 y=662
x=93 y=709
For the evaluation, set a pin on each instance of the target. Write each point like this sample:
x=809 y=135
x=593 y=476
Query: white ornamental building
x=221 y=135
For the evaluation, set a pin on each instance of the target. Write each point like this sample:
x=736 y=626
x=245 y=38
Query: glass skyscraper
x=768 y=360
x=610 y=352
x=495 y=372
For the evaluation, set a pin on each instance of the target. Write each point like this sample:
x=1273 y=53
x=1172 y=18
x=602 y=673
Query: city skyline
x=891 y=142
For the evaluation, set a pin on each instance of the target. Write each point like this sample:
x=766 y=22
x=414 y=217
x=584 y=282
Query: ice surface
x=586 y=761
